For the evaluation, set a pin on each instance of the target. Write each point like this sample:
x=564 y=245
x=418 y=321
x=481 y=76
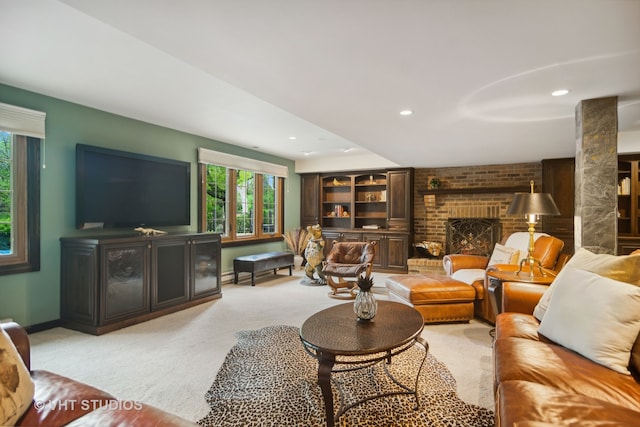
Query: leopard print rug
x=268 y=379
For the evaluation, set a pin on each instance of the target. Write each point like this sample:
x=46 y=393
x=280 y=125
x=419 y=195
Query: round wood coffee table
x=334 y=335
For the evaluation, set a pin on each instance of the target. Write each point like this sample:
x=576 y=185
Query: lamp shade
x=533 y=203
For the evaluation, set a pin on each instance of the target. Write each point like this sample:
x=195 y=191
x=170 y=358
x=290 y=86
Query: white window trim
x=241 y=163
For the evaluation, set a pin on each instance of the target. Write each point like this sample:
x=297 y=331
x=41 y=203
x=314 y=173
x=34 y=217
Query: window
x=245 y=203
x=216 y=206
x=19 y=203
x=240 y=198
x=269 y=206
x=255 y=198
x=20 y=132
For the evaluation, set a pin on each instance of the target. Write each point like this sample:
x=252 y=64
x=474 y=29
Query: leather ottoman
x=437 y=297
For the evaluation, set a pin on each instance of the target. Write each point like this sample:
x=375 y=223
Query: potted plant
x=297 y=240
x=365 y=305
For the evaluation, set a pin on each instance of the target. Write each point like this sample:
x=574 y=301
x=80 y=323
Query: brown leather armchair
x=546 y=249
x=345 y=263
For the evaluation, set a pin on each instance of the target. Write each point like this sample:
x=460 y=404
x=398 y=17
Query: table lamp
x=532 y=205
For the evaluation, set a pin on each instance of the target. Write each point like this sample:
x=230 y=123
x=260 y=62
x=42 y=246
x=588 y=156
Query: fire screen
x=472 y=236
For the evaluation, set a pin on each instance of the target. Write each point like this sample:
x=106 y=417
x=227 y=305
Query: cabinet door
x=558 y=178
x=79 y=283
x=125 y=281
x=379 y=259
x=329 y=237
x=399 y=200
x=169 y=272
x=397 y=252
x=309 y=199
x=205 y=266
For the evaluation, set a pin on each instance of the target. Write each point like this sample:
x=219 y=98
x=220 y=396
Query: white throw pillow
x=16 y=386
x=594 y=316
x=625 y=268
x=504 y=255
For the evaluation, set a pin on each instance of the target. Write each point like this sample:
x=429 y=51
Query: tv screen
x=117 y=189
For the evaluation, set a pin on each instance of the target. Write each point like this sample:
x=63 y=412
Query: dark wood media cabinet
x=109 y=282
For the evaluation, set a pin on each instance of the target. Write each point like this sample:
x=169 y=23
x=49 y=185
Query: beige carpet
x=171 y=362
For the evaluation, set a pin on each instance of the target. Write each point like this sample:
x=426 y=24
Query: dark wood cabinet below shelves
x=392 y=249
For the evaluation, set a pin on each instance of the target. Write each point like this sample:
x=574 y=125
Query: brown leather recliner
x=546 y=249
x=345 y=263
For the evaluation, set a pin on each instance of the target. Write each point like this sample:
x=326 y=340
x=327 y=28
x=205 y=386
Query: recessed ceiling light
x=559 y=92
x=292 y=137
x=406 y=112
x=307 y=153
x=346 y=150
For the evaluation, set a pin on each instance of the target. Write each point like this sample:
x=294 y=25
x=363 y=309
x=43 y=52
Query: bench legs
x=253 y=274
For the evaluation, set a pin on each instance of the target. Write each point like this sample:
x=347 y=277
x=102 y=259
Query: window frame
x=26 y=241
x=231 y=239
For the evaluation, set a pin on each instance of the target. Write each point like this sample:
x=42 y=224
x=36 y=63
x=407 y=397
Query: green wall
x=33 y=298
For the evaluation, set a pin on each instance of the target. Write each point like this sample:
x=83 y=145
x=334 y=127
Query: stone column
x=596 y=200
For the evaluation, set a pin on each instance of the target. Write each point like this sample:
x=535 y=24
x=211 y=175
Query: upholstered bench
x=261 y=262
x=437 y=297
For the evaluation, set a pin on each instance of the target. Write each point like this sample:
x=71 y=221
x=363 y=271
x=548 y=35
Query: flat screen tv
x=118 y=189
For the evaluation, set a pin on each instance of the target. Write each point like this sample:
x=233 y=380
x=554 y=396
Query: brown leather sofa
x=541 y=383
x=61 y=401
x=547 y=249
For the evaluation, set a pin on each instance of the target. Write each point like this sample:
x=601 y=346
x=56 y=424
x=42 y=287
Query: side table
x=497 y=277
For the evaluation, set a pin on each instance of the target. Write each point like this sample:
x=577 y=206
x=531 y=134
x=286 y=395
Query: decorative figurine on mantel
x=314 y=254
x=149 y=231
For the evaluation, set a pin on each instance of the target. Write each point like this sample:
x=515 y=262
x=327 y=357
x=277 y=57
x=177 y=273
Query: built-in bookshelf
x=373 y=206
x=628 y=203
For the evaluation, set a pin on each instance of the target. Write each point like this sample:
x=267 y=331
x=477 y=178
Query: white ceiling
x=335 y=73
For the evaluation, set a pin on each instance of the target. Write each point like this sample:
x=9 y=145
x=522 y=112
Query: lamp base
x=533 y=263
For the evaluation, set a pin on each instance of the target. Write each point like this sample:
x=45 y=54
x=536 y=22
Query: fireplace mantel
x=481 y=190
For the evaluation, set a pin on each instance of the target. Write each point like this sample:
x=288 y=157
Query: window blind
x=22 y=121
x=241 y=163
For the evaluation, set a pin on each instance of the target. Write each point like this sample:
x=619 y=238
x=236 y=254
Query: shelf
x=485 y=190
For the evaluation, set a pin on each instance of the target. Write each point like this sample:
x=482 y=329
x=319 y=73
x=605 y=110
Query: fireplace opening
x=472 y=236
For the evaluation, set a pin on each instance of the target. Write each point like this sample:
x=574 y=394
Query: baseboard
x=228 y=277
x=39 y=327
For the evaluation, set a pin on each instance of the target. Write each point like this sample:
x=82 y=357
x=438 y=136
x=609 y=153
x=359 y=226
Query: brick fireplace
x=470 y=201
